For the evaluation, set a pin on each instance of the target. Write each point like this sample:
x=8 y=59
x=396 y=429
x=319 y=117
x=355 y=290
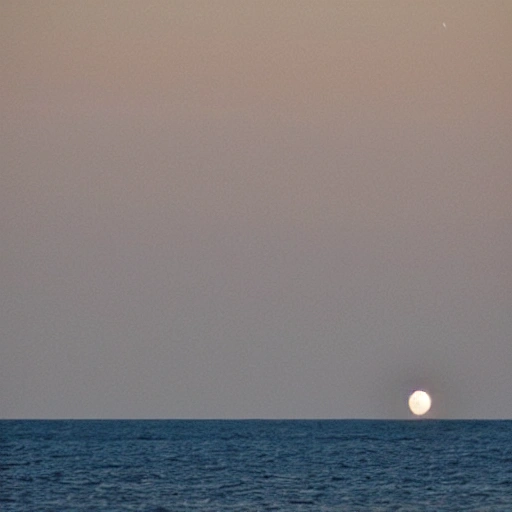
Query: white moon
x=419 y=403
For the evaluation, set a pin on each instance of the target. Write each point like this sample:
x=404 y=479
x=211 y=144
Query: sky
x=257 y=209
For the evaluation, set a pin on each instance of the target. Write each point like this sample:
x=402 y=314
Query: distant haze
x=255 y=209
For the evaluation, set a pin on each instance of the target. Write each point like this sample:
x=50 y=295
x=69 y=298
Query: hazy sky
x=271 y=209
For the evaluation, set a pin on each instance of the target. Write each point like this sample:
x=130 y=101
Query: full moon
x=419 y=403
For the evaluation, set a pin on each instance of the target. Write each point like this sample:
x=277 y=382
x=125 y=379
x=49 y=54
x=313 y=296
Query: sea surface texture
x=202 y=466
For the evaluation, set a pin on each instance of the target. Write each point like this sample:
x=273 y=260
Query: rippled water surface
x=256 y=465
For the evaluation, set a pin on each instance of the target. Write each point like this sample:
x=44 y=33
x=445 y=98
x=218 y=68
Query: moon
x=420 y=402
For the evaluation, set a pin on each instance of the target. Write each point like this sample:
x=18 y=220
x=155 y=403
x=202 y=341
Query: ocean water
x=202 y=466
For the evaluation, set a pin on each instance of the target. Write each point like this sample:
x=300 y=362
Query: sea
x=255 y=465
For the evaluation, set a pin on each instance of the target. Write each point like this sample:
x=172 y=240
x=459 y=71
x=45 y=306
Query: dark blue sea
x=202 y=466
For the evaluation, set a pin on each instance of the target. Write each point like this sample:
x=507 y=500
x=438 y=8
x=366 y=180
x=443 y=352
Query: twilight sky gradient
x=277 y=209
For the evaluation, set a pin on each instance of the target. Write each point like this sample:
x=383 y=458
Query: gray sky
x=277 y=209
